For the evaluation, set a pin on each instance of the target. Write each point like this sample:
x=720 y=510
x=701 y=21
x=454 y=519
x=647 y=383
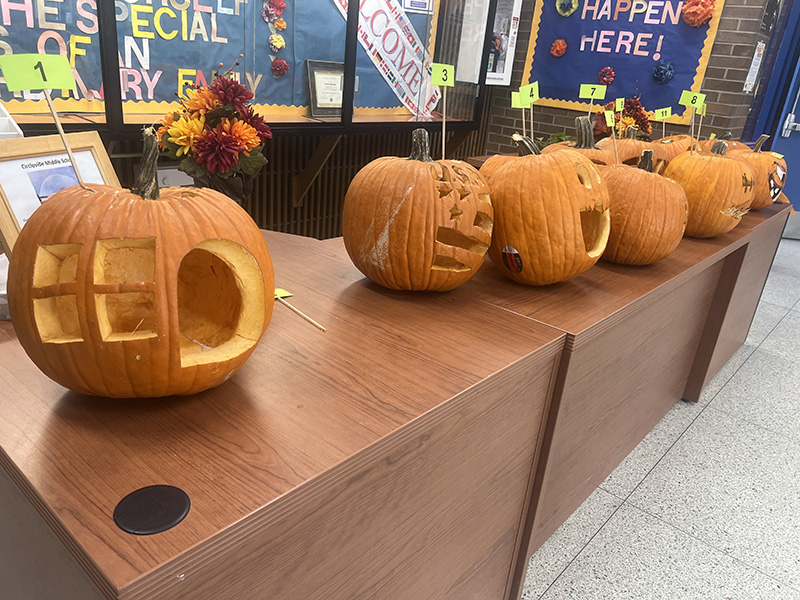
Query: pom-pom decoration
x=279 y=67
x=663 y=72
x=566 y=7
x=697 y=13
x=558 y=48
x=607 y=75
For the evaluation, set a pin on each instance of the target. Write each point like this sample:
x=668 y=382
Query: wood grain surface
x=304 y=414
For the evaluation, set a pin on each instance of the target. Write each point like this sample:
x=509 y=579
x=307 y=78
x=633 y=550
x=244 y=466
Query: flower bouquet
x=632 y=114
x=217 y=137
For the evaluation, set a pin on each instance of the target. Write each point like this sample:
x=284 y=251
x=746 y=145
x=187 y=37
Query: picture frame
x=32 y=169
x=325 y=87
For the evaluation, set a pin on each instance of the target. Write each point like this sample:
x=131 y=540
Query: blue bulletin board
x=650 y=46
x=166 y=45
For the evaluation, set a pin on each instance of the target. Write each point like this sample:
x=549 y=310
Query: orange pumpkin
x=669 y=147
x=725 y=137
x=415 y=224
x=493 y=163
x=630 y=148
x=584 y=143
x=551 y=216
x=127 y=294
x=719 y=189
x=648 y=214
x=770 y=173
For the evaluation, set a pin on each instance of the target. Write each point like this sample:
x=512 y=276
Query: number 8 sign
x=692 y=99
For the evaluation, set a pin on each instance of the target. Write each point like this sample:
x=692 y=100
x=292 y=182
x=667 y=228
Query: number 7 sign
x=24 y=72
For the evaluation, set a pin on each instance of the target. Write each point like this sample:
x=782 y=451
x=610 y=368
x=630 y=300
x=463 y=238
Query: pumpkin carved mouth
x=595 y=225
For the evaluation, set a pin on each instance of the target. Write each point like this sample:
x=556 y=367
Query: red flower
x=231 y=91
x=277 y=7
x=256 y=121
x=217 y=151
x=607 y=75
x=558 y=48
x=279 y=67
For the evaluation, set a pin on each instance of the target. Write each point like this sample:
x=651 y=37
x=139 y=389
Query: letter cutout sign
x=655 y=49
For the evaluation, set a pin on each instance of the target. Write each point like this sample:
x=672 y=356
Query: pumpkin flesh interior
x=220 y=302
x=56 y=316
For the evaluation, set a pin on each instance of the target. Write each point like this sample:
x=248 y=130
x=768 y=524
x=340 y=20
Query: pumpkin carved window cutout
x=127 y=294
x=415 y=223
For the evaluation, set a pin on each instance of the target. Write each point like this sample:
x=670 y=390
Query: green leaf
x=190 y=167
x=250 y=165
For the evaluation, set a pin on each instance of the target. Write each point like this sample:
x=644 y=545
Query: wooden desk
x=638 y=340
x=389 y=457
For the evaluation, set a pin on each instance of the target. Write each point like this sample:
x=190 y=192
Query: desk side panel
x=617 y=386
x=34 y=564
x=432 y=511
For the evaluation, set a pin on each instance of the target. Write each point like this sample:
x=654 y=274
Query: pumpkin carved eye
x=583 y=175
x=55 y=311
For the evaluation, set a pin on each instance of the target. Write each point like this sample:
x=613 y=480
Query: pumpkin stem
x=646 y=161
x=525 y=145
x=420 y=146
x=720 y=147
x=760 y=142
x=584 y=136
x=726 y=136
x=146 y=184
x=630 y=132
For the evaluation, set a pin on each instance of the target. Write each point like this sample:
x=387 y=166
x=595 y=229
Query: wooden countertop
x=305 y=404
x=587 y=304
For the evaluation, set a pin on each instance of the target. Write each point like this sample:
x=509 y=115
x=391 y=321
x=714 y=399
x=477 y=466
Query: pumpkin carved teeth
x=483 y=221
x=448 y=263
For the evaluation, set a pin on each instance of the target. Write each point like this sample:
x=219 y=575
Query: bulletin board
x=165 y=46
x=652 y=49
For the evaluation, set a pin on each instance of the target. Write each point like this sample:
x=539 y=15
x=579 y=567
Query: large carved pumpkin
x=584 y=143
x=769 y=170
x=551 y=217
x=493 y=163
x=648 y=214
x=417 y=224
x=719 y=189
x=127 y=294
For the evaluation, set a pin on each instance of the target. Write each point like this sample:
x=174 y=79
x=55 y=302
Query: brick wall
x=728 y=105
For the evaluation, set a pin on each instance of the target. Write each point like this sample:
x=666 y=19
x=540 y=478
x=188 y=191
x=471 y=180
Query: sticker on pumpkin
x=512 y=260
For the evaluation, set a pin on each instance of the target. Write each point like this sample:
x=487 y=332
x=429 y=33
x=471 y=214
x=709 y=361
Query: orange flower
x=165 y=123
x=184 y=132
x=244 y=133
x=201 y=101
x=280 y=24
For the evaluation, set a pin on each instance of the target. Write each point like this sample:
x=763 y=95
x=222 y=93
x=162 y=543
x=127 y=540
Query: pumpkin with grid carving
x=138 y=294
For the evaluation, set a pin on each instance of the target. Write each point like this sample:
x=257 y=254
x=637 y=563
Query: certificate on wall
x=325 y=87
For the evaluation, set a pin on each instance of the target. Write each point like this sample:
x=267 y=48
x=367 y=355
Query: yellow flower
x=245 y=133
x=201 y=101
x=165 y=123
x=184 y=132
x=622 y=125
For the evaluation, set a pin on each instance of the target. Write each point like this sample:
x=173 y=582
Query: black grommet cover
x=152 y=509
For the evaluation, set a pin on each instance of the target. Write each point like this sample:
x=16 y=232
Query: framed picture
x=33 y=169
x=325 y=87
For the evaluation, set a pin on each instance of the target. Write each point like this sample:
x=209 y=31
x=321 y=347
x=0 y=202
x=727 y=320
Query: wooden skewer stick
x=300 y=313
x=444 y=120
x=523 y=123
x=523 y=110
x=64 y=138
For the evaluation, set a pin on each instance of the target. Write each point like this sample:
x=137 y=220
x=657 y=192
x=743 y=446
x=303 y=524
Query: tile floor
x=708 y=505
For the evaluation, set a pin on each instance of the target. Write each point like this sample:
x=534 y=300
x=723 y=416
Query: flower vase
x=238 y=187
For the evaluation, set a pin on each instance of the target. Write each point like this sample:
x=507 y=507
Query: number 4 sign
x=25 y=72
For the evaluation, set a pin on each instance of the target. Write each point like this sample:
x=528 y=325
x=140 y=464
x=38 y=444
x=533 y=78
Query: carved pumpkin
x=127 y=294
x=415 y=224
x=770 y=173
x=630 y=148
x=584 y=143
x=493 y=163
x=719 y=189
x=648 y=214
x=551 y=216
x=669 y=147
x=725 y=137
